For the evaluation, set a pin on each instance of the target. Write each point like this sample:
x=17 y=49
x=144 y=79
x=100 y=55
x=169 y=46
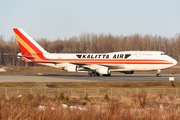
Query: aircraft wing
x=90 y=66
x=83 y=65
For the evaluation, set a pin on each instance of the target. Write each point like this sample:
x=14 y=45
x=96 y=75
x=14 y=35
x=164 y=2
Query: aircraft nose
x=174 y=62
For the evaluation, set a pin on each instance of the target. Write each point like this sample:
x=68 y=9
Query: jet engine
x=103 y=70
x=71 y=68
x=128 y=72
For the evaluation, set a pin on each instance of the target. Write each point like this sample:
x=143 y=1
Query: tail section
x=25 y=41
x=28 y=46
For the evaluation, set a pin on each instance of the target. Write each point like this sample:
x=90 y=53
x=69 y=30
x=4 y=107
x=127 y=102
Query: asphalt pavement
x=86 y=78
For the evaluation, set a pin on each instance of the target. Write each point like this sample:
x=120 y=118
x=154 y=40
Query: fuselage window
x=163 y=54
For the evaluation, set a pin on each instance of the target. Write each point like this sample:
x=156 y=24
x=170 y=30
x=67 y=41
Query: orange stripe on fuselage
x=112 y=61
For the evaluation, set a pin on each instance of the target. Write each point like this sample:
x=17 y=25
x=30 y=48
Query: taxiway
x=85 y=78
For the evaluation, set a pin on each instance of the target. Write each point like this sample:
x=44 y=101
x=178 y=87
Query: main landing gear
x=93 y=73
x=158 y=73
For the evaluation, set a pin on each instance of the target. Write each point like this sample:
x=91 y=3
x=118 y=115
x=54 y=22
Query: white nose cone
x=174 y=62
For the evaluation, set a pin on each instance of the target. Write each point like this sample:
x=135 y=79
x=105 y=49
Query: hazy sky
x=54 y=19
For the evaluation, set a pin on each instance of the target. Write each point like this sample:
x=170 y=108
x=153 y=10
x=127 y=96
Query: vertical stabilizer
x=26 y=43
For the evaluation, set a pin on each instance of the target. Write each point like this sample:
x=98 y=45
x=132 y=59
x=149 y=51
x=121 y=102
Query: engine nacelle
x=71 y=68
x=103 y=70
x=128 y=72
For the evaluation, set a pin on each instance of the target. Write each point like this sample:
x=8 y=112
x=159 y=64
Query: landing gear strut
x=158 y=73
x=93 y=73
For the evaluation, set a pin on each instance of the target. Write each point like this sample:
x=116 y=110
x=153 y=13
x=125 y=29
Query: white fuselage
x=116 y=61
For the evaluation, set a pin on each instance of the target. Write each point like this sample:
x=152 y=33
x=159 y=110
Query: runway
x=85 y=78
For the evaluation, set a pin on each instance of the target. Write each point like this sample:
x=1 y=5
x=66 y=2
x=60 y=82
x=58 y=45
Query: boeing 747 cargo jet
x=94 y=63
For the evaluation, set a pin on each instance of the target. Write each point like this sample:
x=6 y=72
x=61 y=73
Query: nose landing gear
x=158 y=73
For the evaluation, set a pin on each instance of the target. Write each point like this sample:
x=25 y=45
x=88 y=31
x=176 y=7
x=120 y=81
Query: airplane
x=95 y=64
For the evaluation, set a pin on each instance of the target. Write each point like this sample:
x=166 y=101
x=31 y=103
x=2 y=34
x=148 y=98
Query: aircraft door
x=138 y=53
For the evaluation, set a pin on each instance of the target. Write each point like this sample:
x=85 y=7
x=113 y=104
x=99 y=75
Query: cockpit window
x=163 y=54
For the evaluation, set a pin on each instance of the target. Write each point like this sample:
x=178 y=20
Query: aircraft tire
x=158 y=75
x=93 y=75
x=106 y=74
x=97 y=74
x=89 y=74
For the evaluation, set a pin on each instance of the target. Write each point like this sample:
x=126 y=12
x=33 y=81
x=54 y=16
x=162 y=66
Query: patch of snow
x=64 y=106
x=3 y=69
x=163 y=107
x=53 y=108
x=73 y=107
x=20 y=96
x=18 y=69
x=41 y=107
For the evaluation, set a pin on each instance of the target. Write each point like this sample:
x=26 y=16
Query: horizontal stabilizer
x=18 y=55
x=46 y=62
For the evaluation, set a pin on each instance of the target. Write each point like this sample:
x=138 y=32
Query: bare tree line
x=95 y=43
